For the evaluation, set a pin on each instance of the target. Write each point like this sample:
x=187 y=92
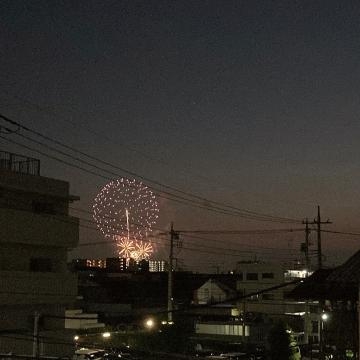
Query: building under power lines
x=36 y=232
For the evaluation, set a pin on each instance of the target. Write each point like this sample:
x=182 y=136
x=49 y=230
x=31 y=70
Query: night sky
x=254 y=104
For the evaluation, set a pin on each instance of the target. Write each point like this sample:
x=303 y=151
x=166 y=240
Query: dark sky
x=251 y=103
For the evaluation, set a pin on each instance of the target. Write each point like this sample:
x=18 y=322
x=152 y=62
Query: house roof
x=227 y=289
x=349 y=272
x=340 y=283
x=313 y=287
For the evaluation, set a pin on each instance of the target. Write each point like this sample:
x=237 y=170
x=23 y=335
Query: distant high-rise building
x=116 y=264
x=157 y=265
x=99 y=263
x=80 y=264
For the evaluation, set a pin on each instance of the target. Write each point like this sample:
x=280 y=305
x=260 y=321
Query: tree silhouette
x=279 y=342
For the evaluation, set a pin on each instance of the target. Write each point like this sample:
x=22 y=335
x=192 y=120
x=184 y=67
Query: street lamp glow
x=106 y=335
x=76 y=337
x=324 y=316
x=150 y=323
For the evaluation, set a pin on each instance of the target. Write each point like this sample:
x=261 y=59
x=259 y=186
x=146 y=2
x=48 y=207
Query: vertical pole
x=358 y=311
x=243 y=317
x=36 y=335
x=321 y=339
x=170 y=276
x=307 y=233
x=319 y=238
x=307 y=321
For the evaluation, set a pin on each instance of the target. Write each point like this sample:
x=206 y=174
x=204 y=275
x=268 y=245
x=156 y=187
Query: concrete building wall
x=258 y=277
x=35 y=235
x=36 y=228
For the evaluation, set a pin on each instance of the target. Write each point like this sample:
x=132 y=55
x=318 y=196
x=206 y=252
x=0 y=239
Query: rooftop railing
x=19 y=163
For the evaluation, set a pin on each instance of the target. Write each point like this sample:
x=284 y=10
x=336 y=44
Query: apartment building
x=36 y=231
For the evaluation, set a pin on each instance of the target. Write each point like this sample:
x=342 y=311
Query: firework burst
x=125 y=245
x=126 y=209
x=143 y=250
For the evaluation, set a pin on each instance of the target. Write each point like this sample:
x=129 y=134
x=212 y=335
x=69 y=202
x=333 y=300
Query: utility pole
x=243 y=316
x=307 y=233
x=307 y=320
x=170 y=308
x=319 y=222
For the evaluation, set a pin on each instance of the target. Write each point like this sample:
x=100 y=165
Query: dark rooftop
x=349 y=272
x=340 y=283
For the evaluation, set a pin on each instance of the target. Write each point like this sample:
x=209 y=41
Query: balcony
x=26 y=227
x=26 y=288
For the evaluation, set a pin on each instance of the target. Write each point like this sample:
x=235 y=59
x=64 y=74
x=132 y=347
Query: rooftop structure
x=19 y=163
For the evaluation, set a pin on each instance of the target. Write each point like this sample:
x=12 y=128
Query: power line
x=237 y=232
x=46 y=109
x=173 y=197
x=86 y=127
x=318 y=224
x=197 y=248
x=162 y=232
x=232 y=242
x=193 y=247
x=341 y=232
x=217 y=232
x=242 y=212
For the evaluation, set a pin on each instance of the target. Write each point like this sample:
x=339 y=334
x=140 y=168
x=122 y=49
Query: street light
x=323 y=318
x=149 y=323
x=106 y=335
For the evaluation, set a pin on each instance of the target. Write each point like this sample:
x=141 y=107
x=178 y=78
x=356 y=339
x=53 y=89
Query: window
x=251 y=276
x=43 y=207
x=41 y=265
x=315 y=326
x=268 y=296
x=267 y=275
